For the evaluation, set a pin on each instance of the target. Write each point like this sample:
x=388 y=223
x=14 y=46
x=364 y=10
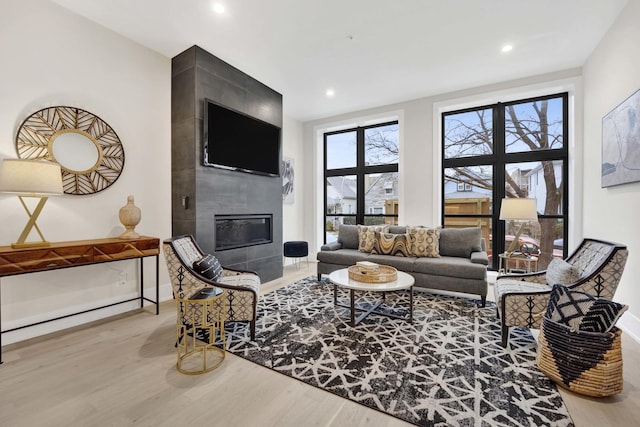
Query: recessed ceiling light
x=330 y=93
x=218 y=8
x=507 y=48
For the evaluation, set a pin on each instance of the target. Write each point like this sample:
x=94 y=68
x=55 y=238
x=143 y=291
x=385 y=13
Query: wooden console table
x=75 y=254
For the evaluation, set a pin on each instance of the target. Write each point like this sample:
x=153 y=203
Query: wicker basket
x=588 y=363
x=381 y=274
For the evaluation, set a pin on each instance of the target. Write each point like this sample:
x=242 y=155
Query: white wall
x=293 y=214
x=611 y=74
x=53 y=57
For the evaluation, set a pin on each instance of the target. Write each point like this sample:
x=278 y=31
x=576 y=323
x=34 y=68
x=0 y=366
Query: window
x=361 y=177
x=463 y=186
x=515 y=149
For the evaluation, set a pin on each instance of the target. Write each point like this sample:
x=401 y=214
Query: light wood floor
x=122 y=372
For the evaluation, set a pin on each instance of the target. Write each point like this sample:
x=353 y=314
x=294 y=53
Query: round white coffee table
x=341 y=278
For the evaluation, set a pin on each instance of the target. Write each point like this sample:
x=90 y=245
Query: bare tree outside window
x=381 y=145
x=531 y=130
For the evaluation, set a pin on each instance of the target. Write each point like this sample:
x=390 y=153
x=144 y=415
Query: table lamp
x=31 y=178
x=518 y=209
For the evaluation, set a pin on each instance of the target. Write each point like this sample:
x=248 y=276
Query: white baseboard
x=630 y=324
x=75 y=320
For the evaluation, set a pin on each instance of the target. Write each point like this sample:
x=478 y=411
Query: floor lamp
x=518 y=209
x=31 y=178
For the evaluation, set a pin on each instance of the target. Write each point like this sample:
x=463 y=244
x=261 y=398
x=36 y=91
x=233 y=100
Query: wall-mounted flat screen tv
x=236 y=141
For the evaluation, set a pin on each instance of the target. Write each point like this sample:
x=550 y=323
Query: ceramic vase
x=130 y=217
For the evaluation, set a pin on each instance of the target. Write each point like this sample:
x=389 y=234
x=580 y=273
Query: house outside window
x=361 y=177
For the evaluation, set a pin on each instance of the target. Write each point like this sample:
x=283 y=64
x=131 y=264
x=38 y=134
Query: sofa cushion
x=560 y=272
x=209 y=267
x=366 y=236
x=348 y=236
x=460 y=242
x=425 y=242
x=391 y=244
x=344 y=257
x=401 y=263
x=450 y=266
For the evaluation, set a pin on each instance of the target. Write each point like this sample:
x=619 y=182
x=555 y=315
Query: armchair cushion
x=209 y=267
x=581 y=311
x=186 y=250
x=560 y=272
x=241 y=280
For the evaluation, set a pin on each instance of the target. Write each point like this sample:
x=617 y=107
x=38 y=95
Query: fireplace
x=238 y=231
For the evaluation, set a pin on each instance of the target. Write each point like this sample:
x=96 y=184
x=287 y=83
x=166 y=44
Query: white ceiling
x=371 y=52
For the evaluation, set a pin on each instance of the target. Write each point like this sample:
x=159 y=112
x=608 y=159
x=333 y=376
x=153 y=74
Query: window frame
x=498 y=161
x=359 y=171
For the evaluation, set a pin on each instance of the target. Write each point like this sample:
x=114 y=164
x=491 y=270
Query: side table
x=200 y=331
x=517 y=263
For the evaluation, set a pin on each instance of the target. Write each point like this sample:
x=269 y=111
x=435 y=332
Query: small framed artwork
x=287 y=181
x=621 y=143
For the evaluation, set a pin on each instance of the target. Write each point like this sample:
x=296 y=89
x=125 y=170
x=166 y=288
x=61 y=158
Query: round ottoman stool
x=296 y=249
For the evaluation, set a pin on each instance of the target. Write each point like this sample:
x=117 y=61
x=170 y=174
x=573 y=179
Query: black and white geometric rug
x=445 y=369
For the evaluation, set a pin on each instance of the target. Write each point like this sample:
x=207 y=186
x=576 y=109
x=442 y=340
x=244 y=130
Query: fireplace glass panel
x=237 y=231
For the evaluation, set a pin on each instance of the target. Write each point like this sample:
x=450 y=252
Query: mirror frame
x=38 y=131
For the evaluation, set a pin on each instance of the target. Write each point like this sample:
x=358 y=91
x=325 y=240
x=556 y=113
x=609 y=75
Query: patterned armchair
x=522 y=298
x=242 y=288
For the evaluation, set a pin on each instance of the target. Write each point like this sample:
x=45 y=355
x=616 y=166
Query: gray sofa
x=461 y=267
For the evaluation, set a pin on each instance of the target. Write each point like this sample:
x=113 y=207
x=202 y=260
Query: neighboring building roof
x=343 y=186
x=466 y=195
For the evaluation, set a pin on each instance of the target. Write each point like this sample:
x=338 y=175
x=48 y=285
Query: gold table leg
x=196 y=356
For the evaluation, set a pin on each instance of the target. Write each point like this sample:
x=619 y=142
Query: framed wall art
x=621 y=143
x=287 y=181
x=87 y=149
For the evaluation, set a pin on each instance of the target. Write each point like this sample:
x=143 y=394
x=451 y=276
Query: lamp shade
x=518 y=209
x=31 y=177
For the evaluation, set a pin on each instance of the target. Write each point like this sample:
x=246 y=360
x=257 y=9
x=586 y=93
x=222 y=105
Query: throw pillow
x=367 y=238
x=391 y=244
x=460 y=242
x=425 y=242
x=581 y=311
x=560 y=272
x=209 y=267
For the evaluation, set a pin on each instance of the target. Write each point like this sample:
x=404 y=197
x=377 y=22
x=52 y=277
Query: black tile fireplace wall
x=199 y=193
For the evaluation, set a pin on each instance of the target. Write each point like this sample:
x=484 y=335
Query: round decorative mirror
x=87 y=149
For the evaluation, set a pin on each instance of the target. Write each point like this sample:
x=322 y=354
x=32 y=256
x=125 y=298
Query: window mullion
x=498 y=175
x=360 y=175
